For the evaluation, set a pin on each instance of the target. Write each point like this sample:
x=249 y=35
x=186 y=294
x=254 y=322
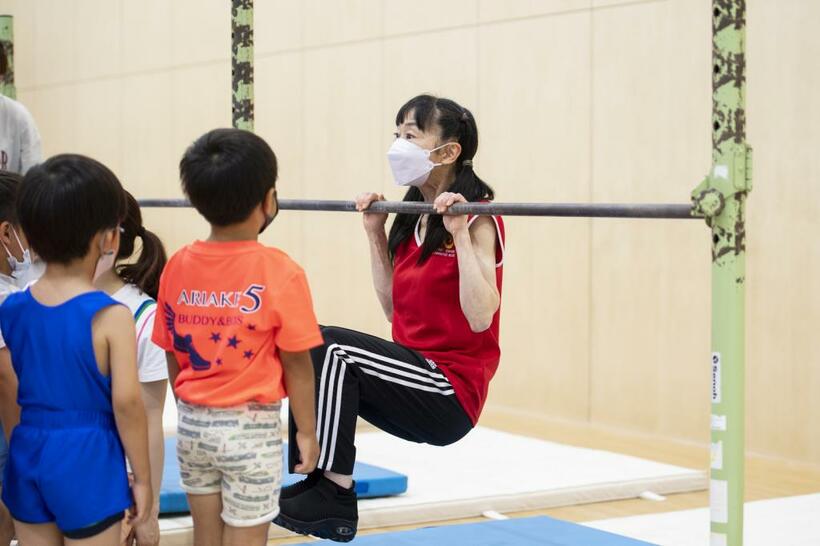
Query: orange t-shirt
x=225 y=309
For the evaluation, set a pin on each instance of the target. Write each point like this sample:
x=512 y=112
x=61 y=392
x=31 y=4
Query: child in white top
x=135 y=284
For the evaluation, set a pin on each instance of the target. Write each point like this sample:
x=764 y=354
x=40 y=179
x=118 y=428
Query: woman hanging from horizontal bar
x=438 y=279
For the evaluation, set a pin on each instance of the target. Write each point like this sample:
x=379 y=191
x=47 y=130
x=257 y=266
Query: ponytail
x=146 y=270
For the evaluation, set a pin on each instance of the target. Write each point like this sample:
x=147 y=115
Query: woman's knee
x=331 y=335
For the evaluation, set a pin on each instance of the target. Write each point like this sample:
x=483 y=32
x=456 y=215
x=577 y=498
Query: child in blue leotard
x=74 y=352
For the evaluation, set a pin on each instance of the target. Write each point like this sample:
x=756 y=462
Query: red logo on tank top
x=447 y=249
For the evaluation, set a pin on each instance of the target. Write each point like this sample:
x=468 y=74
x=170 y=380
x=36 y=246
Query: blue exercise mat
x=538 y=531
x=371 y=481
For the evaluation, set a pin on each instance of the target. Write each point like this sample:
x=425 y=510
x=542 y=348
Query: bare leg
x=45 y=534
x=6 y=526
x=342 y=480
x=206 y=511
x=246 y=536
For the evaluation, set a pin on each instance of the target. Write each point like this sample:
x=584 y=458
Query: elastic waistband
x=249 y=406
x=66 y=419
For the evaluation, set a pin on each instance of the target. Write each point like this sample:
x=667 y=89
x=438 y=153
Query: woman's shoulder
x=493 y=221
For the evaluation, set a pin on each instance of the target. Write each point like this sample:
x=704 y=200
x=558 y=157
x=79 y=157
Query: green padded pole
x=242 y=63
x=7 y=39
x=721 y=200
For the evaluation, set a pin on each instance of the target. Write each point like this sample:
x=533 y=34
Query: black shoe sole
x=335 y=529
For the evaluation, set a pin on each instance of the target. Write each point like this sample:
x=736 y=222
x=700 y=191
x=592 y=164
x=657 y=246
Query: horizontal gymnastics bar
x=577 y=210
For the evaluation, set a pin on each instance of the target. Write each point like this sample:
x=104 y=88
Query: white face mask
x=38 y=267
x=410 y=163
x=105 y=263
x=18 y=268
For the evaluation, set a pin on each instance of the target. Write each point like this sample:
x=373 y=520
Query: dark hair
x=64 y=202
x=9 y=187
x=4 y=62
x=226 y=173
x=456 y=124
x=145 y=272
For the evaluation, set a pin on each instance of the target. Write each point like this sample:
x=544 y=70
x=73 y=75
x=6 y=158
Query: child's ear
x=5 y=233
x=107 y=241
x=269 y=205
x=114 y=238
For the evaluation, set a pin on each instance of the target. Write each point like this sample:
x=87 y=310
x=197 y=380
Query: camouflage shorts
x=236 y=452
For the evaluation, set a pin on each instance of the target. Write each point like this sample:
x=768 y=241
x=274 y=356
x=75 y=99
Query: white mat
x=492 y=470
x=790 y=521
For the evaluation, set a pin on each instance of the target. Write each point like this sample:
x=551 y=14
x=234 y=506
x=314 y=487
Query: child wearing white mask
x=17 y=263
x=20 y=268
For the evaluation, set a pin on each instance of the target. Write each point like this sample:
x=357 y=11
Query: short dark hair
x=9 y=186
x=4 y=62
x=226 y=173
x=64 y=202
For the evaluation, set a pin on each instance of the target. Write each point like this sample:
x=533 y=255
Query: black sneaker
x=325 y=510
x=299 y=487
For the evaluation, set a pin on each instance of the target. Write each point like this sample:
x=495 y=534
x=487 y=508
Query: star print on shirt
x=218 y=361
x=233 y=341
x=248 y=354
x=251 y=326
x=215 y=337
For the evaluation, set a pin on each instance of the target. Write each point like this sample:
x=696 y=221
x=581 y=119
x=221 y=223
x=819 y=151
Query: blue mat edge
x=562 y=533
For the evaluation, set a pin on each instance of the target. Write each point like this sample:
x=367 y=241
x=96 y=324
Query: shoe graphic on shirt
x=185 y=344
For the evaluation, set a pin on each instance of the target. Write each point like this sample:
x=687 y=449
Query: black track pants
x=390 y=386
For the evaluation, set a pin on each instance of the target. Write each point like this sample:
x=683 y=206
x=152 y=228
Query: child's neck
x=62 y=282
x=109 y=282
x=242 y=231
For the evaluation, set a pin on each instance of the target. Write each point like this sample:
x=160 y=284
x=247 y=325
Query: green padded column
x=721 y=199
x=242 y=63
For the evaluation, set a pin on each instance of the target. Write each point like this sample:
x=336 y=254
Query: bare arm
x=382 y=271
x=300 y=384
x=153 y=395
x=475 y=248
x=9 y=410
x=129 y=411
x=173 y=371
x=381 y=267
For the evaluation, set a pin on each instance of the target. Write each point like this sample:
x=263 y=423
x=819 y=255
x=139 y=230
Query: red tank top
x=427 y=317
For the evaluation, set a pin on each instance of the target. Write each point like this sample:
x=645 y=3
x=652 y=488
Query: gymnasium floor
x=765 y=478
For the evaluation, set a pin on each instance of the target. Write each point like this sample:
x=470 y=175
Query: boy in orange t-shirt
x=236 y=320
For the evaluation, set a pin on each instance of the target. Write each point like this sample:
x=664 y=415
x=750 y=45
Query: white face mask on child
x=31 y=274
x=20 y=269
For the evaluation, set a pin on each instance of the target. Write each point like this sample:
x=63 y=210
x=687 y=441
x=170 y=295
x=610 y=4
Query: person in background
x=135 y=284
x=17 y=262
x=19 y=138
